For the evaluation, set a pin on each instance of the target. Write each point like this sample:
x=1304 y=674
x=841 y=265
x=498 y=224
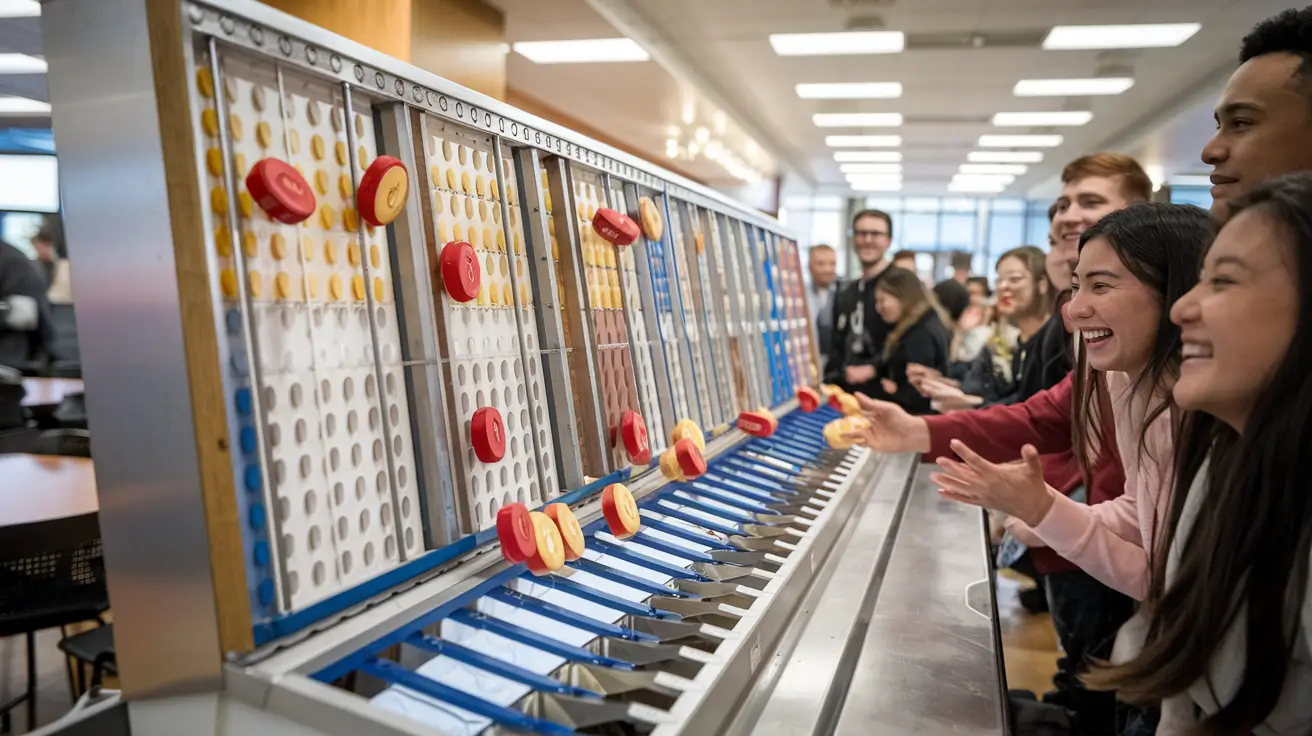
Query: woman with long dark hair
x=1224 y=639
x=919 y=335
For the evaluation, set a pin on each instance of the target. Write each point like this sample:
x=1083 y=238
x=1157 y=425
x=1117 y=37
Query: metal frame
x=650 y=313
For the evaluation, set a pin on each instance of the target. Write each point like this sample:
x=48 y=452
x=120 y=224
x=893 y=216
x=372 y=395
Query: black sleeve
x=836 y=360
x=927 y=346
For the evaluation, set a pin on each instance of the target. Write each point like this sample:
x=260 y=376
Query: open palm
x=1015 y=488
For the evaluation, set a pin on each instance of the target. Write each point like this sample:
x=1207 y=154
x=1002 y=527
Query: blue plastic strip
x=498 y=667
x=477 y=620
x=401 y=677
x=684 y=533
x=601 y=598
x=621 y=552
x=728 y=499
x=672 y=549
x=606 y=572
x=684 y=516
x=764 y=495
x=718 y=512
x=565 y=616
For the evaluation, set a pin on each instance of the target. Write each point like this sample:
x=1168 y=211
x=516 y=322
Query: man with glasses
x=858 y=330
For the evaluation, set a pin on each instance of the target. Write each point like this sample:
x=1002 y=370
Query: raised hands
x=891 y=428
x=1015 y=488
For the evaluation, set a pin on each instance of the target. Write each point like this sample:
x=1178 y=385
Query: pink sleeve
x=1094 y=541
x=1120 y=516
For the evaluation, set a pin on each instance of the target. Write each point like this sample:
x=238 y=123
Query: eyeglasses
x=870 y=233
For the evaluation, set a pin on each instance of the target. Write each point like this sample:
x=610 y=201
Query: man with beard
x=859 y=332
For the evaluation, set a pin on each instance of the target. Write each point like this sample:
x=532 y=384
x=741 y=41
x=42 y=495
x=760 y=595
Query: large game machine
x=416 y=414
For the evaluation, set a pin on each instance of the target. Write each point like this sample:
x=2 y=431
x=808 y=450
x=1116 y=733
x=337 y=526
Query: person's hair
x=1052 y=211
x=819 y=246
x=1289 y=32
x=1034 y=261
x=1134 y=181
x=982 y=281
x=1161 y=245
x=906 y=287
x=961 y=260
x=1244 y=562
x=904 y=253
x=888 y=219
x=953 y=298
x=44 y=236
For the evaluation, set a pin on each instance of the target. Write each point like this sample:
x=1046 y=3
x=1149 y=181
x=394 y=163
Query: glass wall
x=1200 y=196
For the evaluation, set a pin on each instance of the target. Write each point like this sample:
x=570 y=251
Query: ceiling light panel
x=857 y=119
x=964 y=187
x=1005 y=157
x=850 y=91
x=1020 y=141
x=585 y=51
x=1012 y=169
x=877 y=185
x=20 y=9
x=838 y=44
x=1142 y=36
x=871 y=168
x=1072 y=87
x=1031 y=119
x=876 y=157
x=983 y=179
x=863 y=141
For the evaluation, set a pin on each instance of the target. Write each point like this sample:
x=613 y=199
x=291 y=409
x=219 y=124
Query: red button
x=460 y=271
x=515 y=531
x=382 y=192
x=834 y=402
x=488 y=435
x=620 y=511
x=615 y=227
x=281 y=191
x=755 y=424
x=633 y=428
x=808 y=398
x=690 y=458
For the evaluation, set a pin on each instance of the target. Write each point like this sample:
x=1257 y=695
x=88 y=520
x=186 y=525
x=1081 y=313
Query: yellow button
x=491 y=265
x=494 y=295
x=379 y=291
x=214 y=162
x=249 y=244
x=448 y=150
x=362 y=158
x=312 y=285
x=435 y=175
x=465 y=183
x=501 y=242
x=583 y=211
x=316 y=147
x=504 y=263
x=294 y=141
x=234 y=126
x=278 y=246
x=335 y=287
x=546 y=200
x=228 y=282
x=443 y=232
x=375 y=256
x=555 y=249
x=330 y=253
x=222 y=241
x=519 y=245
x=458 y=232
x=245 y=204
x=451 y=182
x=344 y=186
x=307 y=250
x=439 y=203
x=496 y=194
x=282 y=285
x=482 y=295
x=263 y=134
x=321 y=181
x=340 y=151
x=219 y=201
x=353 y=253
x=241 y=164
x=479 y=187
x=327 y=217
x=519 y=268
x=391 y=195
x=610 y=257
x=209 y=122
x=523 y=295
x=508 y=295
x=204 y=82
x=357 y=287
x=473 y=237
x=255 y=284
x=463 y=155
x=469 y=208
x=349 y=219
x=617 y=299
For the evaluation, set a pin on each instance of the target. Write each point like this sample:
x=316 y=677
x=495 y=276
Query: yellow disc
x=519 y=268
x=519 y=246
x=670 y=466
x=255 y=284
x=443 y=232
x=245 y=205
x=219 y=201
x=263 y=134
x=241 y=164
x=479 y=185
x=448 y=150
x=464 y=183
x=228 y=282
x=478 y=159
x=451 y=181
x=610 y=256
x=493 y=295
x=473 y=237
x=583 y=211
x=379 y=292
x=362 y=158
x=209 y=122
x=278 y=246
x=458 y=232
x=687 y=428
x=357 y=287
x=312 y=286
x=234 y=126
x=391 y=194
x=249 y=245
x=550 y=554
x=344 y=186
x=359 y=125
x=321 y=181
x=469 y=208
x=353 y=253
x=214 y=162
x=316 y=147
x=571 y=534
x=495 y=194
x=340 y=151
x=282 y=285
x=439 y=203
x=501 y=241
x=375 y=256
x=330 y=253
x=463 y=155
x=523 y=294
x=435 y=175
x=204 y=82
x=504 y=263
x=349 y=220
x=490 y=266
x=555 y=249
x=294 y=141
x=222 y=241
x=335 y=287
x=327 y=217
x=307 y=250
x=616 y=298
x=507 y=295
x=848 y=404
x=482 y=295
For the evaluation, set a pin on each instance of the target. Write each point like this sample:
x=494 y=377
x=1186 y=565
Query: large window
x=1200 y=196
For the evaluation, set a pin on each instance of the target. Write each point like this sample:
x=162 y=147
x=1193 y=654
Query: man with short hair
x=859 y=332
x=822 y=262
x=905 y=259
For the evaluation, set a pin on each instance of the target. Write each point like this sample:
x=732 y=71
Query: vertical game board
x=706 y=398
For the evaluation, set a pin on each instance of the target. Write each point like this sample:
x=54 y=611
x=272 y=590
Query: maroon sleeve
x=998 y=432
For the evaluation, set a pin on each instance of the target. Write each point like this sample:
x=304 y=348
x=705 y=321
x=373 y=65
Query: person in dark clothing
x=919 y=335
x=26 y=326
x=859 y=332
x=953 y=297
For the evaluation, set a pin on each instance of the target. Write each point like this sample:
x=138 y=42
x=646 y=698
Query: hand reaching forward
x=891 y=429
x=1017 y=489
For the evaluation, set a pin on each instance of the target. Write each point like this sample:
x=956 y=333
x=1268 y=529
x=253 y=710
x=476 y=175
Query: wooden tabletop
x=45 y=487
x=49 y=391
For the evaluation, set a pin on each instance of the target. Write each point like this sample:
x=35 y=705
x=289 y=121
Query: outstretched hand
x=891 y=428
x=1017 y=489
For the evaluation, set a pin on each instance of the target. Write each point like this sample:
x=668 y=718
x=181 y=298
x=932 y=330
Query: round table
x=39 y=488
x=49 y=391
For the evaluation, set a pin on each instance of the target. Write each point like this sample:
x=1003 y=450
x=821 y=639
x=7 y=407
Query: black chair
x=72 y=411
x=19 y=440
x=12 y=414
x=93 y=647
x=52 y=574
x=63 y=347
x=70 y=442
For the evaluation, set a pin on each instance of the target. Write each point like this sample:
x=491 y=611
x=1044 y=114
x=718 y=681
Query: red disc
x=615 y=227
x=633 y=428
x=460 y=271
x=488 y=435
x=834 y=402
x=620 y=511
x=755 y=424
x=690 y=458
x=808 y=398
x=381 y=196
x=281 y=191
x=515 y=531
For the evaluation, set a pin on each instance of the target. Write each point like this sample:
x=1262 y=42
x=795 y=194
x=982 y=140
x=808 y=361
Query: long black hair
x=1162 y=245
x=1249 y=544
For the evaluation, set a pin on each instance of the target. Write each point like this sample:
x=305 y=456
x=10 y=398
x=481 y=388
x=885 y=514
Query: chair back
x=70 y=442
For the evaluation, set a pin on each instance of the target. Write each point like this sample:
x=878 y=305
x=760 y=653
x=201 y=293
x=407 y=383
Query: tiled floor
x=1029 y=644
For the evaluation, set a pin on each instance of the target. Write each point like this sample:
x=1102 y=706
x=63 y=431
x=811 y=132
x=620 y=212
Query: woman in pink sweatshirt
x=1133 y=265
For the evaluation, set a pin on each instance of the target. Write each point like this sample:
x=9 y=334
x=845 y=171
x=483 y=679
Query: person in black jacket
x=919 y=335
x=25 y=323
x=859 y=332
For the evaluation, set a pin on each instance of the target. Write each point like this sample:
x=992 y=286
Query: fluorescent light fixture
x=871 y=168
x=19 y=106
x=1020 y=141
x=1012 y=169
x=1072 y=87
x=1029 y=119
x=984 y=179
x=838 y=44
x=20 y=9
x=850 y=91
x=1141 y=36
x=873 y=178
x=976 y=188
x=868 y=157
x=875 y=183
x=1004 y=157
x=863 y=141
x=857 y=119
x=1191 y=180
x=890 y=187
x=21 y=64
x=588 y=50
